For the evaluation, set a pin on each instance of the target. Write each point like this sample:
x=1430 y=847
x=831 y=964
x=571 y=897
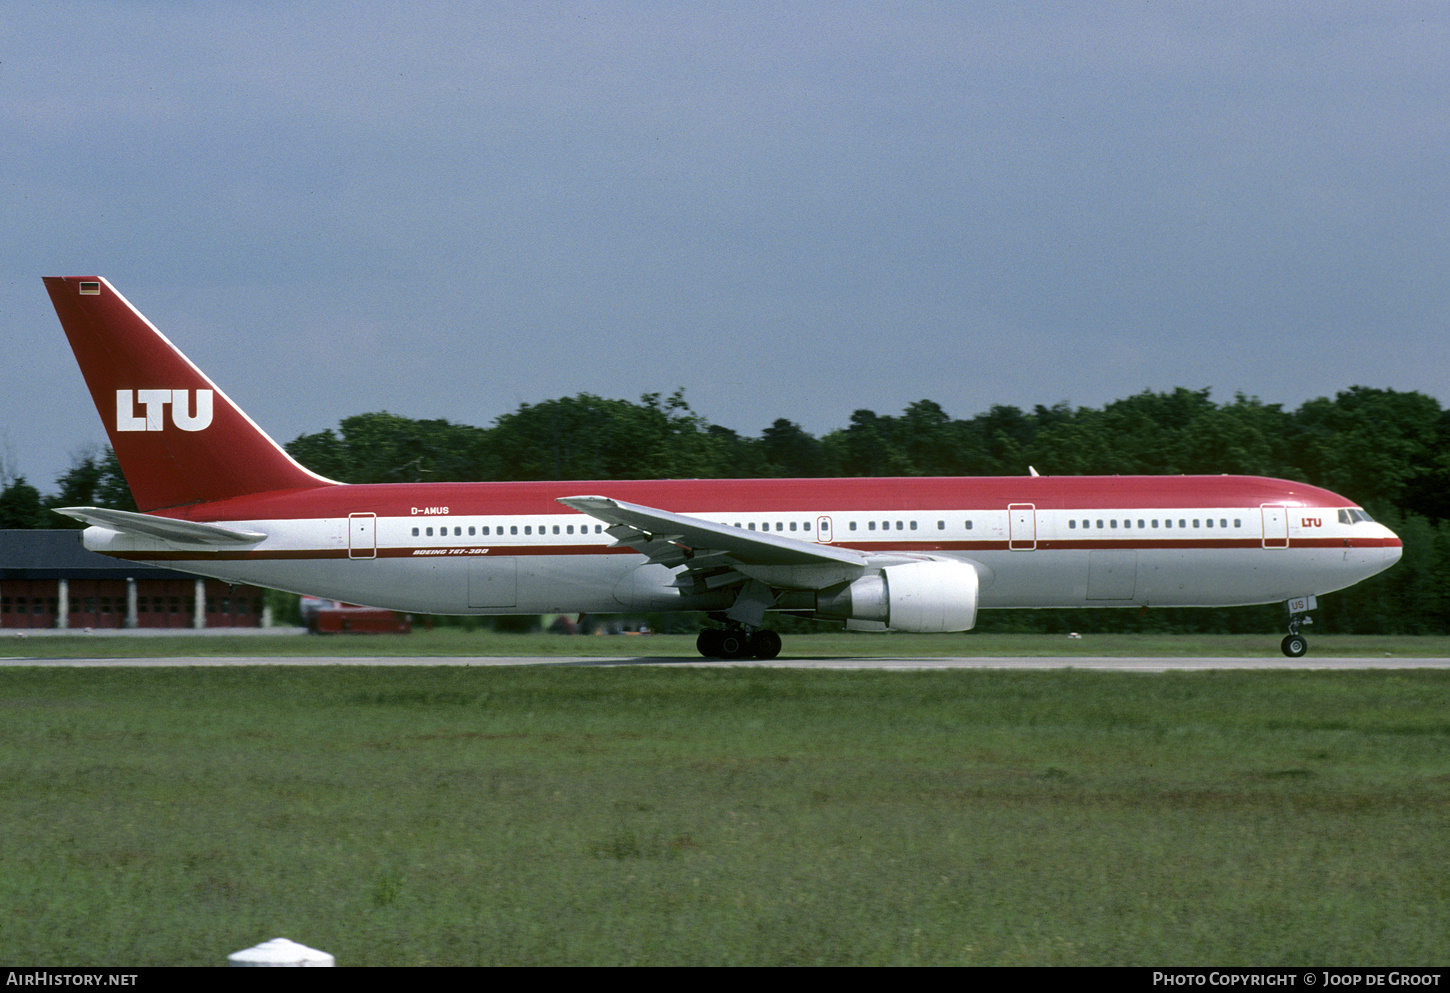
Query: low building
x=48 y=580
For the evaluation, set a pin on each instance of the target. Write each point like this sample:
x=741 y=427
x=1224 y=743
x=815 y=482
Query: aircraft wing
x=717 y=554
x=165 y=528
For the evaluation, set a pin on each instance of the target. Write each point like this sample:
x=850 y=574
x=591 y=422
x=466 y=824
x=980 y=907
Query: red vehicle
x=334 y=617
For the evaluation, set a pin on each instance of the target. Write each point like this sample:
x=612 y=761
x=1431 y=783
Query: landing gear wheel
x=765 y=644
x=1294 y=646
x=734 y=644
x=710 y=643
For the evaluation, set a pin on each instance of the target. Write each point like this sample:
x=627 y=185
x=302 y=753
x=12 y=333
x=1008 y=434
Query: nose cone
x=1389 y=549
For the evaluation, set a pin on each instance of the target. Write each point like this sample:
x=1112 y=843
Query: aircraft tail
x=179 y=439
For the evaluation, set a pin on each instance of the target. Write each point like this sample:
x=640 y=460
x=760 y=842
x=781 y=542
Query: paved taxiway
x=1105 y=664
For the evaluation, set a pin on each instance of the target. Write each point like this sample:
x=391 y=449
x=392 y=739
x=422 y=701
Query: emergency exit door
x=1021 y=527
x=362 y=536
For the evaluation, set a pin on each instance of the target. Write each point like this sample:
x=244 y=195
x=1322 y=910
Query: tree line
x=1387 y=450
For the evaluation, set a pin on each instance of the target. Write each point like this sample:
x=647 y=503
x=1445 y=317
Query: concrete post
x=133 y=616
x=62 y=600
x=198 y=610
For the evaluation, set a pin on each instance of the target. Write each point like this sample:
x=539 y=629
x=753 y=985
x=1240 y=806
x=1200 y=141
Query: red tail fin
x=179 y=439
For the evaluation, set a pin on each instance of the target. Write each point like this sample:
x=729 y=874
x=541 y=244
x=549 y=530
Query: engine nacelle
x=917 y=596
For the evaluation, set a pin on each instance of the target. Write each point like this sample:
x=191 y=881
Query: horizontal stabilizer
x=165 y=528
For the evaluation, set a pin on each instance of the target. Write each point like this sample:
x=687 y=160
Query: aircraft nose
x=1392 y=548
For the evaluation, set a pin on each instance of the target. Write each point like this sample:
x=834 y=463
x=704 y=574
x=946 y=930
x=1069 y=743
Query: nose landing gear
x=1295 y=644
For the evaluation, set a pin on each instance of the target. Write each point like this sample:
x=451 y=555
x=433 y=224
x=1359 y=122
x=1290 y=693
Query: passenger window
x=1210 y=522
x=913 y=525
x=1182 y=523
x=780 y=525
x=430 y=532
x=1113 y=523
x=556 y=529
x=1222 y=522
x=852 y=526
x=870 y=525
x=415 y=532
x=1140 y=524
x=969 y=525
x=1195 y=522
x=1155 y=522
x=470 y=531
x=792 y=525
x=1100 y=524
x=941 y=525
x=513 y=529
x=1072 y=525
x=899 y=526
x=1238 y=522
x=806 y=526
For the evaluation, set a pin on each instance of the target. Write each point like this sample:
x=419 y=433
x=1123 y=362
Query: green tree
x=589 y=437
x=78 y=486
x=1069 y=443
x=1006 y=433
x=868 y=448
x=21 y=507
x=1370 y=445
x=923 y=436
x=112 y=489
x=789 y=452
x=382 y=447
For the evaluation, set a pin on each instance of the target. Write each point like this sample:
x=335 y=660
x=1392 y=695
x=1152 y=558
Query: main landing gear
x=738 y=642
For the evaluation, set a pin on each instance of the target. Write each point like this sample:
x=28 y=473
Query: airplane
x=219 y=498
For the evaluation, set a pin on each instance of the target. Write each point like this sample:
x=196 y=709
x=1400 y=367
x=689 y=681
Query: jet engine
x=917 y=596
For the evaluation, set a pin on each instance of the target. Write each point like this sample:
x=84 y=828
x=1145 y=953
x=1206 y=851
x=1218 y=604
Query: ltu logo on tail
x=182 y=413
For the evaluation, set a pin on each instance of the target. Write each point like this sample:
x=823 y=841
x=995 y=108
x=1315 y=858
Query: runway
x=1126 y=664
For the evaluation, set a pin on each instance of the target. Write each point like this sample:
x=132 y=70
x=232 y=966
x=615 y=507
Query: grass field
x=649 y=815
x=456 y=641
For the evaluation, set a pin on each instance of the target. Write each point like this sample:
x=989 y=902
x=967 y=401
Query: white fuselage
x=455 y=563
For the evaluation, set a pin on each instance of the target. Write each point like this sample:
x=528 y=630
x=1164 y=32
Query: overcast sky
x=789 y=209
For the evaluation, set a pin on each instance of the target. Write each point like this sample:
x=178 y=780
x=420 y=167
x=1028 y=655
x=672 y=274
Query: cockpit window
x=1353 y=515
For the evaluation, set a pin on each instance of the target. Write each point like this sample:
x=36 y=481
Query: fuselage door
x=362 y=536
x=1021 y=527
x=823 y=530
x=1276 y=526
